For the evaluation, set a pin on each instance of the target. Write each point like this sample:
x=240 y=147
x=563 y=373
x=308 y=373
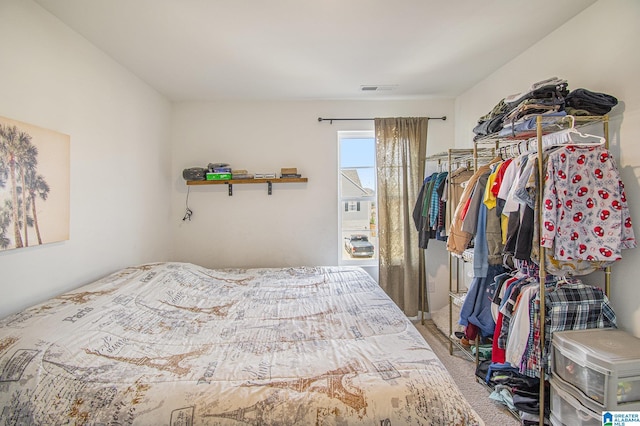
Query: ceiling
x=312 y=50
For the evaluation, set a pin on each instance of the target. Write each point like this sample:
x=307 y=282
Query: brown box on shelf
x=289 y=171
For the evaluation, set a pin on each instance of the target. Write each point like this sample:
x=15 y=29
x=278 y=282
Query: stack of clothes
x=584 y=102
x=518 y=392
x=516 y=115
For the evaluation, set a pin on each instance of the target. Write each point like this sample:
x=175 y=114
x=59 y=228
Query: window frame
x=345 y=201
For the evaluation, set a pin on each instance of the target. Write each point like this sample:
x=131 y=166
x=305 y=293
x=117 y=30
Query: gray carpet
x=463 y=372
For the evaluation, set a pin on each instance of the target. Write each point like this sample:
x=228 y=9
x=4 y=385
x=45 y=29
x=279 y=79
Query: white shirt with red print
x=584 y=209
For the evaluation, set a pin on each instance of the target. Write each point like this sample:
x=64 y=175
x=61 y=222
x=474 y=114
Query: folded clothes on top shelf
x=528 y=124
x=593 y=102
x=542 y=98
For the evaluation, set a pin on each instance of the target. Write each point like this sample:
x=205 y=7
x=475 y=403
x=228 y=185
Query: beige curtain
x=401 y=145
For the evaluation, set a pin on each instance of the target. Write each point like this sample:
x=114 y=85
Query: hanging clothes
x=419 y=219
x=495 y=247
x=427 y=208
x=553 y=266
x=459 y=239
x=585 y=214
x=456 y=182
x=441 y=233
x=434 y=202
x=476 y=308
x=572 y=306
x=582 y=198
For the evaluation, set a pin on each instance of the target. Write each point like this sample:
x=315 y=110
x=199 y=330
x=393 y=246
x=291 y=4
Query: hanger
x=562 y=280
x=571 y=136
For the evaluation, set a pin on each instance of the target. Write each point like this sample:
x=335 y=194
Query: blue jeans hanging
x=476 y=308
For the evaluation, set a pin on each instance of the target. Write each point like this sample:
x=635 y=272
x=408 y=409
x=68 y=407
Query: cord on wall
x=188 y=212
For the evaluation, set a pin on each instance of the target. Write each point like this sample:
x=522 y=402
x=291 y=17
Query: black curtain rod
x=331 y=120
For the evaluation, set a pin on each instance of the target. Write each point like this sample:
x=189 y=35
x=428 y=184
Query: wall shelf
x=231 y=182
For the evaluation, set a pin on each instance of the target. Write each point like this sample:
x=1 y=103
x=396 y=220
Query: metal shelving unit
x=456 y=294
x=527 y=142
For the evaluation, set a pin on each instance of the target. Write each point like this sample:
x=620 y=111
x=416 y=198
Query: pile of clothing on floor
x=518 y=392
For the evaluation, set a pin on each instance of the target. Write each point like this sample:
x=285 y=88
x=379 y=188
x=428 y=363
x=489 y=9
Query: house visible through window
x=352 y=206
x=357 y=198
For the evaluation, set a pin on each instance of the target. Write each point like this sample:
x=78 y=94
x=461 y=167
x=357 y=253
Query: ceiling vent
x=378 y=87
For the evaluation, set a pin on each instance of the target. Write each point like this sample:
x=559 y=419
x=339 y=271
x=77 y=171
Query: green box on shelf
x=218 y=176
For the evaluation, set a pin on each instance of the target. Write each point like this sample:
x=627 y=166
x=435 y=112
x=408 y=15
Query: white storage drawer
x=604 y=364
x=566 y=410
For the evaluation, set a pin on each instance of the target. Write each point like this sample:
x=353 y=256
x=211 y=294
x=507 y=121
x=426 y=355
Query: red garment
x=497 y=355
x=495 y=188
x=471 y=332
x=465 y=209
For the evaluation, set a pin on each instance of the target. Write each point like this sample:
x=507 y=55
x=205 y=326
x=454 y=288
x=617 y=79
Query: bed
x=180 y=344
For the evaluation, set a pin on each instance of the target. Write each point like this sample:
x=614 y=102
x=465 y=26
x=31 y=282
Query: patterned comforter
x=179 y=344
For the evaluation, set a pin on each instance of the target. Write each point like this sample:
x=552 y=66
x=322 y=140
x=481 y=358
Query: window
x=357 y=198
x=351 y=206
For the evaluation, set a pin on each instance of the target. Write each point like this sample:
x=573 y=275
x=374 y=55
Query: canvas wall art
x=34 y=185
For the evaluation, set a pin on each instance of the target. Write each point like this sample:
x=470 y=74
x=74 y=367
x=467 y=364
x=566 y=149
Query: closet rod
x=331 y=120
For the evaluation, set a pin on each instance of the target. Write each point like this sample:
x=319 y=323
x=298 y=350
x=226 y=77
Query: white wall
x=597 y=50
x=297 y=225
x=129 y=146
x=120 y=155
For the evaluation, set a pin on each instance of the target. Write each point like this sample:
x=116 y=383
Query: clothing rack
x=446 y=161
x=523 y=144
x=516 y=146
x=331 y=120
x=511 y=146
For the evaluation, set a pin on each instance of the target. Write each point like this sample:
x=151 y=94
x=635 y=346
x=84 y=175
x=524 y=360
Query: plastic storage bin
x=603 y=363
x=569 y=409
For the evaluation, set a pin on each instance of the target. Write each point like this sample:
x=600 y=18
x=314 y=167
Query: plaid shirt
x=435 y=200
x=506 y=306
x=573 y=306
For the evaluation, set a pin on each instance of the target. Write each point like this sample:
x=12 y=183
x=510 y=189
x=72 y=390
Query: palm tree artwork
x=24 y=190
